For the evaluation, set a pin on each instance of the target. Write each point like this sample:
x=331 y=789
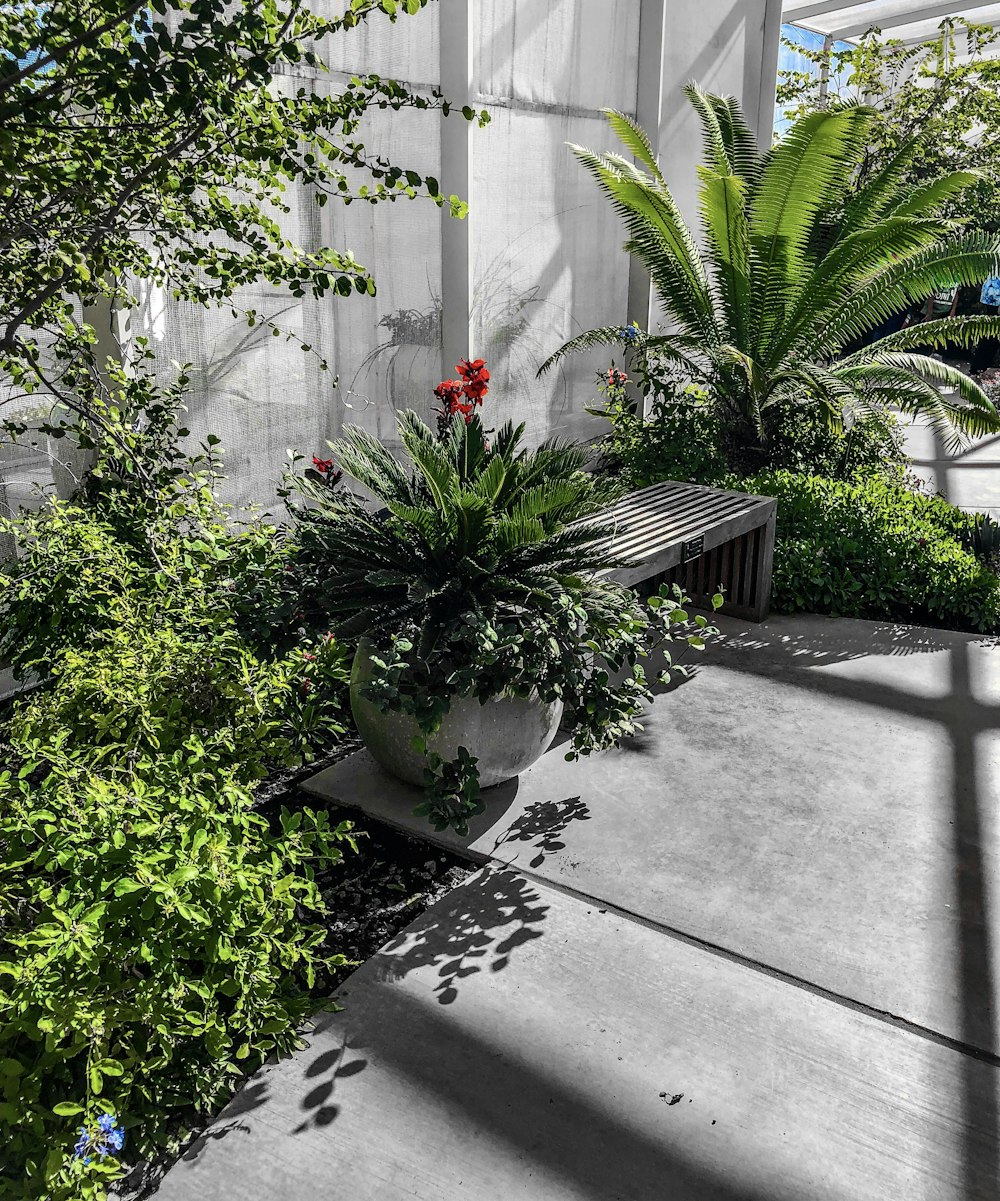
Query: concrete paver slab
x=517 y=1042
x=822 y=798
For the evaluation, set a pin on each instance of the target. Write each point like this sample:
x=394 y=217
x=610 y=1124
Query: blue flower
x=629 y=333
x=106 y=1138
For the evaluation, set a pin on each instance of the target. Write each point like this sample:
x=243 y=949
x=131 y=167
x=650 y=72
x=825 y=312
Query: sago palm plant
x=795 y=265
x=467 y=529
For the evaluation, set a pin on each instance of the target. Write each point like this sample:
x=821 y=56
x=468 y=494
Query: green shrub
x=872 y=548
x=148 y=643
x=156 y=941
x=157 y=937
x=147 y=694
x=678 y=441
x=803 y=442
x=81 y=577
x=683 y=438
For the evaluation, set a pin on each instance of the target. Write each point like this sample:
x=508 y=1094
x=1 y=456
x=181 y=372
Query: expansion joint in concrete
x=755 y=965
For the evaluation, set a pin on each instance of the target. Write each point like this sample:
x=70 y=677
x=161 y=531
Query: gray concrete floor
x=778 y=902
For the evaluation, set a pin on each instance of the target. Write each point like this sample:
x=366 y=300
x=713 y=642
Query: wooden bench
x=699 y=538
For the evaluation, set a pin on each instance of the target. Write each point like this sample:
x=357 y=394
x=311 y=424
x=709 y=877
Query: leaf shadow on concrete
x=473 y=930
x=586 y=1141
x=542 y=824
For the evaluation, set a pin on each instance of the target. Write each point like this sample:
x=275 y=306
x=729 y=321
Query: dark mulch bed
x=373 y=894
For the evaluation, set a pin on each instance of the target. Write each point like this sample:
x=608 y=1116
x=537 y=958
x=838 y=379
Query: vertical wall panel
x=548 y=262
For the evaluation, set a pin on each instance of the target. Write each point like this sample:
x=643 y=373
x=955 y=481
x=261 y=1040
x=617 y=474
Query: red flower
x=461 y=395
x=325 y=467
x=475 y=375
x=476 y=369
x=449 y=391
x=616 y=378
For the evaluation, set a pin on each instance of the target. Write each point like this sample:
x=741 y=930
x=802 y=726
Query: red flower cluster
x=325 y=467
x=449 y=392
x=475 y=376
x=464 y=394
x=616 y=378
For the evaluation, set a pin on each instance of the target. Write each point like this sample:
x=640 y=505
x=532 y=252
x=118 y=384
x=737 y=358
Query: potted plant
x=473 y=589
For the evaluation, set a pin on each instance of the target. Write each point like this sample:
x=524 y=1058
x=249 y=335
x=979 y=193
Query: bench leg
x=761 y=601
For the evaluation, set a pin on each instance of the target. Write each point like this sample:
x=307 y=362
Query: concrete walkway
x=749 y=956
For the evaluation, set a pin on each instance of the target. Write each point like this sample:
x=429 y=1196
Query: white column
x=648 y=112
x=457 y=26
x=770 y=49
x=728 y=47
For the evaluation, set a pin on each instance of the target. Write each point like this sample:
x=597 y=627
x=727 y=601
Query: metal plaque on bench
x=693 y=548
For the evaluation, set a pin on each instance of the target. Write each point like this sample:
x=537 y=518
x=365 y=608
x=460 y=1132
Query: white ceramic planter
x=506 y=733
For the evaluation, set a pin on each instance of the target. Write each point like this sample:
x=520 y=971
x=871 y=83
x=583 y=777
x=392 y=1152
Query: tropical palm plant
x=794 y=266
x=467 y=529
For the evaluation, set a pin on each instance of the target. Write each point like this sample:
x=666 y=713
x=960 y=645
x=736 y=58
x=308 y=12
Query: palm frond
x=932 y=196
x=365 y=459
x=659 y=234
x=798 y=180
x=632 y=135
x=730 y=145
x=723 y=211
x=975 y=416
x=847 y=268
x=939 y=333
x=870 y=203
x=960 y=259
x=606 y=335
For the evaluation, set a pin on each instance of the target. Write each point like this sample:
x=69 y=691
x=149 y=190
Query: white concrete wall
x=969 y=479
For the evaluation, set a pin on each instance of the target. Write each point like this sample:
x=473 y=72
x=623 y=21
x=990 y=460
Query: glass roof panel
x=916 y=19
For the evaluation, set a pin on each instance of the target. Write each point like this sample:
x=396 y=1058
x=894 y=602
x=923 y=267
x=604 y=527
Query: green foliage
x=683 y=438
x=872 y=443
x=156 y=941
x=151 y=647
x=157 y=937
x=942 y=90
x=792 y=268
x=162 y=143
x=873 y=548
x=680 y=440
x=478 y=577
x=982 y=539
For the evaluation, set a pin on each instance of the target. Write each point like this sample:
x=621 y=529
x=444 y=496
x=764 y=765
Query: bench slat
x=649 y=528
x=660 y=527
